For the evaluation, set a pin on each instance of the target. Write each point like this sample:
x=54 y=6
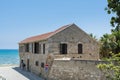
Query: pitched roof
x=43 y=36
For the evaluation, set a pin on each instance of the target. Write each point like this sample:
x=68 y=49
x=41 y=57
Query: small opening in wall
x=42 y=65
x=72 y=37
x=80 y=56
x=80 y=47
x=36 y=47
x=63 y=48
x=37 y=63
x=43 y=48
x=27 y=47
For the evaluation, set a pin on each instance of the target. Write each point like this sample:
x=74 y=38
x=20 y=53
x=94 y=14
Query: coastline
x=9 y=65
x=9 y=57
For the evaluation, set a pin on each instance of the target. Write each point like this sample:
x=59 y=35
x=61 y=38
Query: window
x=80 y=49
x=63 y=48
x=42 y=65
x=32 y=47
x=39 y=48
x=21 y=48
x=27 y=47
x=28 y=65
x=43 y=48
x=36 y=47
x=37 y=63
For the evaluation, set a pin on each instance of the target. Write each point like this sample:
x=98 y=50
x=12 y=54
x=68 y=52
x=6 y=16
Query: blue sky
x=20 y=19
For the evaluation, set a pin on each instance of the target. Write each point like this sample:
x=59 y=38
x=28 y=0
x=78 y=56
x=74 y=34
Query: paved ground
x=15 y=73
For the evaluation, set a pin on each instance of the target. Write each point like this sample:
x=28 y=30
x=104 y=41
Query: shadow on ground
x=27 y=74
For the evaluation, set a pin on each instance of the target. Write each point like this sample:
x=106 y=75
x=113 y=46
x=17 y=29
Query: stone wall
x=33 y=58
x=72 y=36
x=75 y=70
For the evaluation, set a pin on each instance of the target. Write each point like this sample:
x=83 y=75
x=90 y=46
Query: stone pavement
x=15 y=73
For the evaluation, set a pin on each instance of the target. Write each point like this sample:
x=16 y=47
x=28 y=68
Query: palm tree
x=108 y=45
x=94 y=37
x=105 y=47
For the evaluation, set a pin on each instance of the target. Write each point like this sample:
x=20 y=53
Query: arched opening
x=80 y=50
x=63 y=48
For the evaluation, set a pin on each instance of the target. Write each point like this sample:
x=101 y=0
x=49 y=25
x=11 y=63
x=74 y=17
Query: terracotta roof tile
x=36 y=38
x=43 y=36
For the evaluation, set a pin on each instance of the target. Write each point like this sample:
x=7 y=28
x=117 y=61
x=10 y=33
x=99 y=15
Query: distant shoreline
x=8 y=49
x=7 y=65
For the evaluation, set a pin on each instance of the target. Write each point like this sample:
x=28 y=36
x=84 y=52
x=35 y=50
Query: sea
x=9 y=57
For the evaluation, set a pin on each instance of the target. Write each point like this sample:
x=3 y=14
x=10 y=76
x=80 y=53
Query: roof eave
x=33 y=41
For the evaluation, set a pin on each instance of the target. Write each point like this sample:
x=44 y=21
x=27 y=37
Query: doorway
x=28 y=61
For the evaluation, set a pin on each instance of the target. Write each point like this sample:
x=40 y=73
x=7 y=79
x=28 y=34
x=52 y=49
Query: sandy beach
x=15 y=73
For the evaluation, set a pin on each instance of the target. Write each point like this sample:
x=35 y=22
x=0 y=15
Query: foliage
x=117 y=36
x=112 y=69
x=93 y=36
x=114 y=7
x=110 y=44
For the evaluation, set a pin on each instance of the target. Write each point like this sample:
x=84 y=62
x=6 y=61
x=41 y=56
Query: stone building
x=69 y=41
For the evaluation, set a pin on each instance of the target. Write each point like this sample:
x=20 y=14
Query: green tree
x=105 y=46
x=111 y=42
x=112 y=69
x=108 y=45
x=93 y=36
x=114 y=7
x=116 y=35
